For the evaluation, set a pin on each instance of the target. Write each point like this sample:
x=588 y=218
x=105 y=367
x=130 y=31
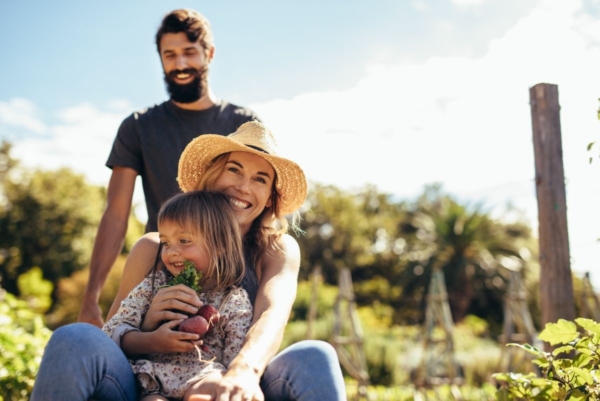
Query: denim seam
x=116 y=383
x=290 y=389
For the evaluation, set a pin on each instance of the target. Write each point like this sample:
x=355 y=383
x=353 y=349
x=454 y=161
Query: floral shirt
x=171 y=374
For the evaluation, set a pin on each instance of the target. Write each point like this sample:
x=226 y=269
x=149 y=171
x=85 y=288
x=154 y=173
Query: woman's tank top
x=250 y=282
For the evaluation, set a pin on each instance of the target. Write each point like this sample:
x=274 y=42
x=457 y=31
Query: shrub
x=569 y=372
x=23 y=337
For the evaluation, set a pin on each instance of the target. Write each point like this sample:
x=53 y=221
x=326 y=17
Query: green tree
x=473 y=250
x=48 y=219
x=352 y=230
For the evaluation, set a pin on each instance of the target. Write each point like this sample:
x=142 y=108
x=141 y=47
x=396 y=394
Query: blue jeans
x=81 y=362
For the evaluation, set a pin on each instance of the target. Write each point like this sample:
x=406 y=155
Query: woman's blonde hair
x=269 y=226
x=210 y=219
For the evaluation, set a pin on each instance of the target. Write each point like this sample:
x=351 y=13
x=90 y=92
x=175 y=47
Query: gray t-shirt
x=150 y=141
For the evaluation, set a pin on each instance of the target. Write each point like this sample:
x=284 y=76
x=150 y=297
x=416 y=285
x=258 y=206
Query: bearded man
x=150 y=141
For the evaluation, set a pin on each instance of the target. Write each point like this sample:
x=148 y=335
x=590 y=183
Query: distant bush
x=70 y=292
x=23 y=338
x=392 y=352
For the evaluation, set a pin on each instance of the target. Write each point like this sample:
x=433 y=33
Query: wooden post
x=314 y=300
x=518 y=327
x=556 y=286
x=348 y=335
x=589 y=296
x=438 y=362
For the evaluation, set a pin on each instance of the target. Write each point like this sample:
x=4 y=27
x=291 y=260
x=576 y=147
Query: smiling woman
x=264 y=190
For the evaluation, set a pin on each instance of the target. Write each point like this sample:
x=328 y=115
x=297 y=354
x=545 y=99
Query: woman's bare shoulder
x=287 y=244
x=148 y=240
x=284 y=254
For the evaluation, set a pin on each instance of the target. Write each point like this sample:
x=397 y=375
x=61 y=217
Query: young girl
x=198 y=227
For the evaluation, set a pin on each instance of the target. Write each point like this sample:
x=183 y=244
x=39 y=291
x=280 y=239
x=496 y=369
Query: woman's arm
x=276 y=294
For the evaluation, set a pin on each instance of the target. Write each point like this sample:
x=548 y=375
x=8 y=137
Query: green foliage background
x=391 y=247
x=23 y=337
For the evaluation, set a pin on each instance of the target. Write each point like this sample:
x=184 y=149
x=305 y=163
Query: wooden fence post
x=589 y=297
x=314 y=303
x=518 y=328
x=348 y=338
x=556 y=285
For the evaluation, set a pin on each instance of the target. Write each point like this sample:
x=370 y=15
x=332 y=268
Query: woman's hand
x=239 y=384
x=171 y=303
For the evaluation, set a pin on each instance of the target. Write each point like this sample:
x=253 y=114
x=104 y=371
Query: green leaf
x=564 y=349
x=589 y=325
x=577 y=395
x=561 y=332
x=188 y=276
x=584 y=374
x=503 y=395
x=528 y=348
x=583 y=361
x=501 y=377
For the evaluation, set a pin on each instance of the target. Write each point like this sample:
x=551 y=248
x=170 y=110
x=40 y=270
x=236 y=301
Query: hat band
x=257 y=148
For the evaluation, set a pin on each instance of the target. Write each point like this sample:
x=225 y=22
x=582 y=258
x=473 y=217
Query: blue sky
x=399 y=94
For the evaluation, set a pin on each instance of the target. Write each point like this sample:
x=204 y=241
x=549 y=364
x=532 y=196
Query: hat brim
x=200 y=152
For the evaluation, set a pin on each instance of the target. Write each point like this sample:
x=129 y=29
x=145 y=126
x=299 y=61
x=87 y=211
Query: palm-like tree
x=469 y=246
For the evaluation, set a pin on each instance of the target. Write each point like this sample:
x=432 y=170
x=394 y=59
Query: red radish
x=195 y=324
x=211 y=314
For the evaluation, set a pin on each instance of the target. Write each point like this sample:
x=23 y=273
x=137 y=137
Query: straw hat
x=252 y=137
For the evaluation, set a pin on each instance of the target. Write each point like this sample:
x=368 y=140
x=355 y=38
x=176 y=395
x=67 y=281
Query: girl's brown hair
x=210 y=219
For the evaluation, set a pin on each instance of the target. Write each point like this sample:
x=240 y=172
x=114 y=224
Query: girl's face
x=179 y=246
x=247 y=180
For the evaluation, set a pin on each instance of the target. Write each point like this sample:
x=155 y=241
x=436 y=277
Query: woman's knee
x=81 y=339
x=305 y=370
x=313 y=351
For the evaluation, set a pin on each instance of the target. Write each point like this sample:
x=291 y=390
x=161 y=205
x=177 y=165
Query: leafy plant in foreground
x=23 y=337
x=569 y=372
x=188 y=276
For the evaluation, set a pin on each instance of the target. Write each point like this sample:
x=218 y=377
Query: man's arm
x=278 y=277
x=109 y=240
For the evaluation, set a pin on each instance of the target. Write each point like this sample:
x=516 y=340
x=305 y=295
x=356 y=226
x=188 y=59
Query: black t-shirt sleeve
x=126 y=150
x=242 y=115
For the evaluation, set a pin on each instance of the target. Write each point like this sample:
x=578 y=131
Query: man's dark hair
x=195 y=26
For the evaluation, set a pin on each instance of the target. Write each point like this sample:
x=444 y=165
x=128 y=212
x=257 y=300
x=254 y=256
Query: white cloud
x=21 y=113
x=465 y=122
x=467 y=3
x=81 y=141
x=420 y=5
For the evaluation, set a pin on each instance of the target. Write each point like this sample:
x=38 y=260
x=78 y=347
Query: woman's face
x=247 y=180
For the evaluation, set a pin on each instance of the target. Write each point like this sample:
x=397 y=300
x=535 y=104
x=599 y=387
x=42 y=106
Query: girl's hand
x=168 y=303
x=167 y=340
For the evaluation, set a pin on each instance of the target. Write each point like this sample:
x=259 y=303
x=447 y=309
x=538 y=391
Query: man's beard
x=190 y=92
